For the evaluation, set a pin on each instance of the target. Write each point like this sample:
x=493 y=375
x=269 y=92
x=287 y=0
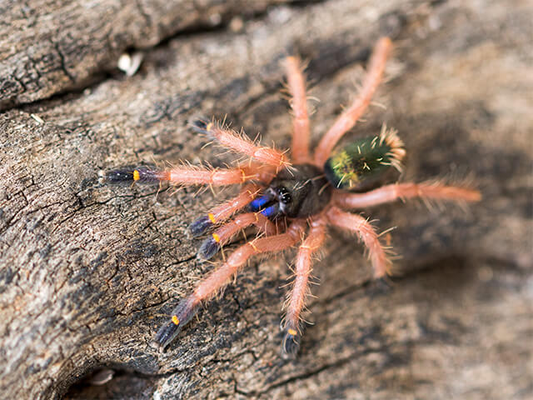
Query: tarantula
x=286 y=197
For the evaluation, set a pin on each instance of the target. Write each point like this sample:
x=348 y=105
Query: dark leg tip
x=118 y=176
x=208 y=249
x=200 y=226
x=290 y=344
x=382 y=286
x=165 y=335
x=181 y=315
x=154 y=344
x=200 y=125
x=129 y=175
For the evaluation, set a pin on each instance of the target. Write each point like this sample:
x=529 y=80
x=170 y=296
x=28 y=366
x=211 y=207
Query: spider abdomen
x=365 y=162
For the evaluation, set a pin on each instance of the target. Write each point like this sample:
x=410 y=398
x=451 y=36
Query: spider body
x=299 y=192
x=291 y=201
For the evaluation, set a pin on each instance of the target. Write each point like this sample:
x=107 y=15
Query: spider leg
x=223 y=211
x=352 y=114
x=365 y=230
x=221 y=275
x=298 y=103
x=402 y=191
x=226 y=232
x=186 y=175
x=300 y=287
x=243 y=145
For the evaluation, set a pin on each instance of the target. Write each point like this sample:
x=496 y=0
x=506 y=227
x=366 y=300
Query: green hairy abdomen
x=360 y=163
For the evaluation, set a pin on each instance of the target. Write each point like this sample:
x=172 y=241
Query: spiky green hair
x=365 y=160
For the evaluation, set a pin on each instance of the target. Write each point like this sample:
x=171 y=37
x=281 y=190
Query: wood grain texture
x=49 y=47
x=89 y=272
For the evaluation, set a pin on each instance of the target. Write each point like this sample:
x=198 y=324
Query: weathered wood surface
x=88 y=272
x=55 y=46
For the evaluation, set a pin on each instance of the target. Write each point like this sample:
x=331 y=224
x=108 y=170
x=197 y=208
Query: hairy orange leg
x=243 y=145
x=225 y=210
x=300 y=117
x=403 y=191
x=222 y=275
x=353 y=113
x=187 y=175
x=357 y=224
x=213 y=177
x=226 y=232
x=300 y=287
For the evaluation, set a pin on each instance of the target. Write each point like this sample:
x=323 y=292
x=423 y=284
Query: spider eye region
x=284 y=195
x=299 y=192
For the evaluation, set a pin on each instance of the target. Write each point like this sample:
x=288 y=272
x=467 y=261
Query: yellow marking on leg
x=175 y=320
x=292 y=332
x=209 y=126
x=216 y=238
x=211 y=218
x=136 y=175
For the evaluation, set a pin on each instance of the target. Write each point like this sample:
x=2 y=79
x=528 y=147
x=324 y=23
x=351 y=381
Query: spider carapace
x=293 y=200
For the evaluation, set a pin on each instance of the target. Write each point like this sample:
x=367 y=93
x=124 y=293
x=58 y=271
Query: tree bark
x=88 y=272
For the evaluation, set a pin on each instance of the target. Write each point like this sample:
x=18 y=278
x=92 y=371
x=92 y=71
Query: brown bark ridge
x=56 y=46
x=89 y=272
